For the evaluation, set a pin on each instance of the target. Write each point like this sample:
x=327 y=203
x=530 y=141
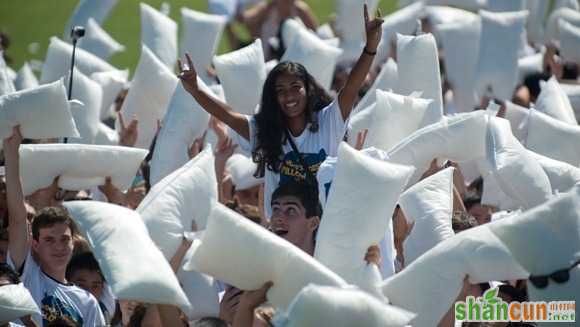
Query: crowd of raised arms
x=369 y=171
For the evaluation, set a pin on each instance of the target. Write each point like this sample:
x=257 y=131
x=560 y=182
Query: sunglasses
x=559 y=276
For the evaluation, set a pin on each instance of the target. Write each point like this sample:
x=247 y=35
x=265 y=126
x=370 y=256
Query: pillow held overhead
x=570 y=41
x=242 y=169
x=97 y=9
x=98 y=42
x=563 y=176
x=6 y=82
x=25 y=78
x=16 y=302
x=112 y=82
x=79 y=166
x=159 y=33
x=553 y=138
x=553 y=102
x=87 y=115
x=553 y=27
x=130 y=262
x=385 y=81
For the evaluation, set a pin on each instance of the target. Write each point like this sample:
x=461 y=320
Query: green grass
x=29 y=21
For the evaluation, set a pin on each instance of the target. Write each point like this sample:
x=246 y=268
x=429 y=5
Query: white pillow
x=242 y=74
x=418 y=64
x=353 y=221
x=553 y=138
x=87 y=115
x=130 y=262
x=325 y=32
x=180 y=199
x=112 y=82
x=317 y=56
x=572 y=4
x=519 y=176
x=57 y=61
x=201 y=36
x=159 y=33
x=570 y=41
x=97 y=9
x=350 y=24
x=226 y=8
x=26 y=78
x=397 y=117
x=573 y=93
x=499 y=45
x=472 y=5
x=242 y=169
x=518 y=118
x=6 y=82
x=502 y=5
x=250 y=255
x=528 y=65
x=532 y=237
x=106 y=136
x=439 y=15
x=562 y=176
x=331 y=306
x=151 y=89
x=429 y=206
x=41 y=112
x=439 y=273
x=494 y=196
x=386 y=80
x=553 y=102
x=553 y=27
x=460 y=43
x=536 y=21
x=80 y=166
x=16 y=302
x=98 y=42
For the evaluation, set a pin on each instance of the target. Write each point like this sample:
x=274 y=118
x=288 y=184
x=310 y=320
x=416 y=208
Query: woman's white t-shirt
x=314 y=147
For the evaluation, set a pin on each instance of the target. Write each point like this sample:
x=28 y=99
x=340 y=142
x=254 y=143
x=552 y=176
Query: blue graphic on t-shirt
x=54 y=308
x=292 y=168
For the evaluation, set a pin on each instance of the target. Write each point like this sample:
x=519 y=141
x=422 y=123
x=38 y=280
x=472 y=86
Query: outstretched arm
x=349 y=93
x=213 y=106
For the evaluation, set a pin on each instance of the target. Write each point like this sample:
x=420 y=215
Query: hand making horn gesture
x=373 y=31
x=188 y=75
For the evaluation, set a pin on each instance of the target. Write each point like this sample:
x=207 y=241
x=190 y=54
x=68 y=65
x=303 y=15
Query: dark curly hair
x=271 y=122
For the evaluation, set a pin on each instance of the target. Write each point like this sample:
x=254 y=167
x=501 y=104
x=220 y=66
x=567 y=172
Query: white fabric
x=201 y=292
x=418 y=64
x=553 y=27
x=350 y=24
x=438 y=15
x=553 y=138
x=41 y=112
x=180 y=199
x=472 y=5
x=106 y=136
x=494 y=196
x=159 y=33
x=502 y=5
x=57 y=61
x=573 y=93
x=572 y=4
x=317 y=56
x=359 y=121
x=242 y=74
x=353 y=221
x=429 y=206
x=397 y=117
x=242 y=169
x=98 y=42
x=6 y=81
x=290 y=28
x=553 y=102
x=25 y=79
x=325 y=32
x=184 y=121
x=151 y=89
x=518 y=118
x=112 y=82
x=535 y=26
x=132 y=265
x=87 y=115
x=16 y=302
x=201 y=35
x=499 y=45
x=439 y=273
x=570 y=41
x=223 y=7
x=342 y=307
x=97 y=9
x=79 y=166
x=250 y=255
x=562 y=176
x=386 y=80
x=528 y=65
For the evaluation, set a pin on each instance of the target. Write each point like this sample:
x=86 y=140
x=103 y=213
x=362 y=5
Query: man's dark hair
x=307 y=195
x=61 y=322
x=470 y=201
x=210 y=322
x=7 y=272
x=532 y=82
x=49 y=217
x=570 y=70
x=83 y=261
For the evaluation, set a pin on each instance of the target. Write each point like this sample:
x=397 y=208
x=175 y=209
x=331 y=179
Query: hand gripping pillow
x=553 y=27
x=570 y=41
x=150 y=93
x=518 y=118
x=418 y=65
x=181 y=198
x=317 y=56
x=79 y=166
x=429 y=206
x=533 y=236
x=562 y=176
x=16 y=302
x=87 y=115
x=553 y=138
x=185 y=121
x=439 y=273
x=159 y=33
x=397 y=117
x=112 y=82
x=385 y=81
x=25 y=79
x=106 y=136
x=553 y=102
x=98 y=42
x=519 y=176
x=246 y=255
x=242 y=74
x=342 y=307
x=497 y=66
x=130 y=262
x=242 y=169
x=57 y=62
x=42 y=112
x=6 y=82
x=201 y=36
x=97 y=9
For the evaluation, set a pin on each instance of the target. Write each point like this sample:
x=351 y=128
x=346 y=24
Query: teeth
x=292 y=104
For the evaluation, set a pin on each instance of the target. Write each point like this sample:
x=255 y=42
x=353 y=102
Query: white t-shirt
x=57 y=300
x=314 y=147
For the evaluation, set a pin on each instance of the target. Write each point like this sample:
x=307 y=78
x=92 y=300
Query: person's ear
x=313 y=223
x=34 y=244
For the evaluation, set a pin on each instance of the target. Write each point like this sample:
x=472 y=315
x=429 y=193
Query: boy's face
x=289 y=221
x=54 y=246
x=89 y=280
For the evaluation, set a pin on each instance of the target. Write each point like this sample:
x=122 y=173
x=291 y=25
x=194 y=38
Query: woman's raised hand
x=187 y=75
x=373 y=29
